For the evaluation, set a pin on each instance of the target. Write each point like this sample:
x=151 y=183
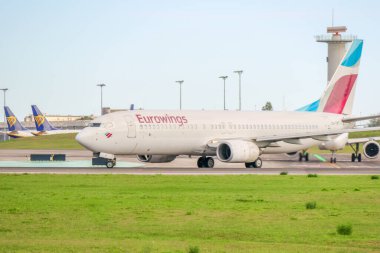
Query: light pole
x=180 y=93
x=239 y=72
x=101 y=85
x=5 y=129
x=224 y=88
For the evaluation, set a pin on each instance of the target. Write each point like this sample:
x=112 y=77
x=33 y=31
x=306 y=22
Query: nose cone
x=85 y=139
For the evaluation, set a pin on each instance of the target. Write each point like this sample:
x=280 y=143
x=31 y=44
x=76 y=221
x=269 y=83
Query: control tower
x=336 y=46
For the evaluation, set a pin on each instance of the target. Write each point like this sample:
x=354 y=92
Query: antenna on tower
x=332 y=17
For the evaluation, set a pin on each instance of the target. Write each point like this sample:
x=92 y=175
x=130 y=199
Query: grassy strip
x=58 y=141
x=113 y=213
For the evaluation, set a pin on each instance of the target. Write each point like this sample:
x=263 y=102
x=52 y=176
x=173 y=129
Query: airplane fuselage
x=193 y=132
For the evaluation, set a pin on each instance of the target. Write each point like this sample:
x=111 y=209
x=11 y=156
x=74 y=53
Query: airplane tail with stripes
x=339 y=94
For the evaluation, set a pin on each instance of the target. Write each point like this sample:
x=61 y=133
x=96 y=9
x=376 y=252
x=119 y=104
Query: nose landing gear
x=104 y=159
x=111 y=163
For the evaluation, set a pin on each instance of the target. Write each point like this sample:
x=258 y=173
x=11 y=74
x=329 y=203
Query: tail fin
x=12 y=121
x=313 y=107
x=340 y=92
x=42 y=124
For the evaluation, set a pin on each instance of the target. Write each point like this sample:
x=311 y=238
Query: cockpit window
x=94 y=124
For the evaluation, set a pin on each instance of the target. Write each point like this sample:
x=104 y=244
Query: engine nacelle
x=156 y=158
x=371 y=149
x=237 y=151
x=335 y=144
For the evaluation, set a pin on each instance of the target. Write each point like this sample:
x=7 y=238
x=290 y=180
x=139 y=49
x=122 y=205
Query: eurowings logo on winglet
x=11 y=120
x=108 y=135
x=39 y=119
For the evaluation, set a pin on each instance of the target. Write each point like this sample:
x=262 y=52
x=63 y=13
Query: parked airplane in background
x=15 y=129
x=232 y=136
x=44 y=127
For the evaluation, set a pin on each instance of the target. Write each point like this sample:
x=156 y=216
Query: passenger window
x=94 y=124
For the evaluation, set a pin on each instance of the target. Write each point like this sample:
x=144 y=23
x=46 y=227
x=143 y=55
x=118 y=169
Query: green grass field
x=121 y=213
x=67 y=141
x=58 y=141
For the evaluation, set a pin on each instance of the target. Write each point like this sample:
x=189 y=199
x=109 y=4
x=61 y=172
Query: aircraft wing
x=314 y=135
x=363 y=140
x=359 y=118
x=270 y=141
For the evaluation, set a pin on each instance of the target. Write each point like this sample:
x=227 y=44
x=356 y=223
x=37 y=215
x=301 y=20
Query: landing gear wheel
x=201 y=162
x=258 y=163
x=334 y=160
x=205 y=162
x=110 y=164
x=356 y=155
x=303 y=155
x=249 y=165
x=209 y=162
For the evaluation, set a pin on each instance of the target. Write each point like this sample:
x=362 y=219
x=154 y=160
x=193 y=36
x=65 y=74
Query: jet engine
x=237 y=151
x=335 y=144
x=371 y=149
x=156 y=158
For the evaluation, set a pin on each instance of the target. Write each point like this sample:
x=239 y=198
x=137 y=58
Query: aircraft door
x=131 y=127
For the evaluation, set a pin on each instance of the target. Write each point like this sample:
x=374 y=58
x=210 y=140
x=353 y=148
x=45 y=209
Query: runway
x=273 y=165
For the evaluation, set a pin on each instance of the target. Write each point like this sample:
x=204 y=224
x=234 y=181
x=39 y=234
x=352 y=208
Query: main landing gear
x=333 y=158
x=303 y=155
x=356 y=156
x=205 y=162
x=256 y=164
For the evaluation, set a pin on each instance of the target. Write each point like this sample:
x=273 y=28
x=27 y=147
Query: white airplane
x=44 y=127
x=232 y=136
x=15 y=129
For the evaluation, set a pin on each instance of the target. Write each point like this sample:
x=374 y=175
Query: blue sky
x=53 y=53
